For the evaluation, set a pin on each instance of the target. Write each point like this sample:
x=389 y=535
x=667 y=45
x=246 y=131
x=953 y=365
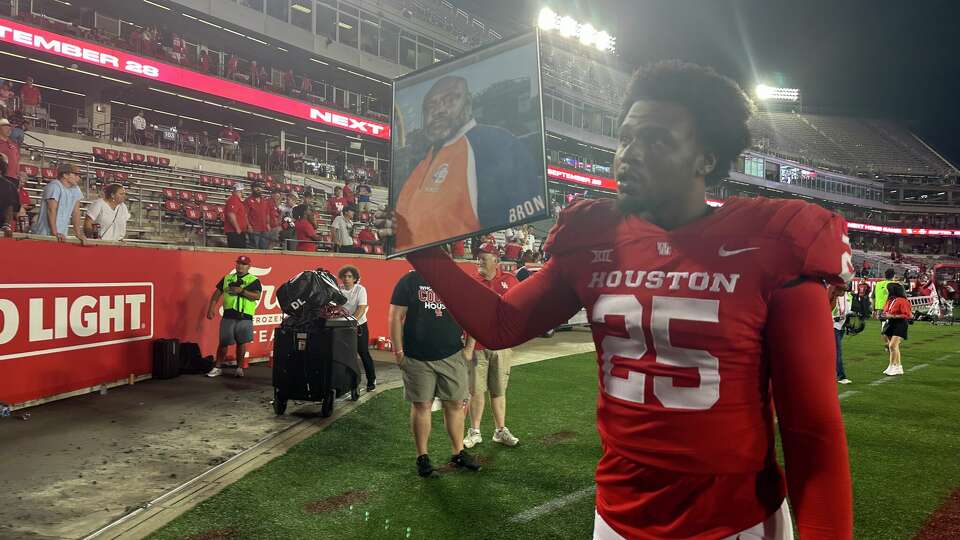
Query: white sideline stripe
x=847 y=394
x=878 y=382
x=550 y=506
x=918 y=366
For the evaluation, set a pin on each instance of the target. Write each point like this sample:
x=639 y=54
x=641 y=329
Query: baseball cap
x=238 y=187
x=4 y=122
x=243 y=259
x=490 y=248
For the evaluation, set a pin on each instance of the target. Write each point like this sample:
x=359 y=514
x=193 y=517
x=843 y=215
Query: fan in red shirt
x=337 y=203
x=260 y=211
x=235 y=223
x=693 y=316
x=489 y=368
x=306 y=230
x=513 y=250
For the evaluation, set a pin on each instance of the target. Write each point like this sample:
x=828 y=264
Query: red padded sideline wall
x=74 y=317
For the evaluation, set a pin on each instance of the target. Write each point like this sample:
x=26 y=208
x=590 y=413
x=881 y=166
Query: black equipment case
x=315 y=362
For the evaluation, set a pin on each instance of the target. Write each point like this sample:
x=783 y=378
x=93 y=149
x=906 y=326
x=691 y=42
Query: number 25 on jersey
x=663 y=311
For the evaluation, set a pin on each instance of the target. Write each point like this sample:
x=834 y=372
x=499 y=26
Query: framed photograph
x=468 y=146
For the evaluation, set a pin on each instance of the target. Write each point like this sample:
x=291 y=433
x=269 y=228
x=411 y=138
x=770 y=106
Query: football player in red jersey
x=694 y=320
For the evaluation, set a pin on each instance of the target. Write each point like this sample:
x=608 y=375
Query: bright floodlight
x=587 y=34
x=603 y=41
x=773 y=93
x=764 y=92
x=568 y=26
x=547 y=20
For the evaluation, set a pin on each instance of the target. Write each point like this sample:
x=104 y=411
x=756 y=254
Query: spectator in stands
x=107 y=216
x=343 y=231
x=232 y=64
x=363 y=192
x=288 y=82
x=9 y=147
x=235 y=223
x=306 y=206
x=6 y=99
x=306 y=87
x=204 y=61
x=9 y=198
x=229 y=142
x=897 y=312
x=489 y=370
x=30 y=98
x=337 y=203
x=529 y=240
x=139 y=123
x=840 y=302
x=530 y=262
x=458 y=249
x=241 y=295
x=260 y=214
x=383 y=222
x=60 y=205
x=19 y=125
x=26 y=206
x=255 y=75
x=357 y=306
x=306 y=232
x=348 y=195
x=276 y=162
x=513 y=249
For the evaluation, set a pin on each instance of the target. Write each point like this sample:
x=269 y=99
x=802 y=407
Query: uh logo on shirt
x=431 y=300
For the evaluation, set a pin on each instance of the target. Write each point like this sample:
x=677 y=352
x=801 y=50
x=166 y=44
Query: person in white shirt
x=357 y=306
x=107 y=217
x=841 y=305
x=343 y=231
x=139 y=127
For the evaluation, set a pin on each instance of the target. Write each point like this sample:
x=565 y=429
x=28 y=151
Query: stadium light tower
x=777 y=95
x=589 y=36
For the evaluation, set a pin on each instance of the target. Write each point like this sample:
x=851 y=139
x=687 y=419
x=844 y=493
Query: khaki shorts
x=490 y=371
x=447 y=379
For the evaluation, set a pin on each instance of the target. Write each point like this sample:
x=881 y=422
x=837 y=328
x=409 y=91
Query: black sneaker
x=463 y=460
x=424 y=467
x=371 y=385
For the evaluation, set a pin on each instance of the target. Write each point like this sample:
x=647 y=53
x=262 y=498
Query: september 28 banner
x=468 y=146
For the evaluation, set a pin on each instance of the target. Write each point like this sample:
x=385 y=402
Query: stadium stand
x=862 y=146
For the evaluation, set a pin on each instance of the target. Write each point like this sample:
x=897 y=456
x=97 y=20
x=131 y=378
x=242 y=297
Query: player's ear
x=706 y=163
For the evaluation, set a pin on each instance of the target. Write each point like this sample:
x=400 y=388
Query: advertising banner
x=468 y=146
x=29 y=38
x=74 y=317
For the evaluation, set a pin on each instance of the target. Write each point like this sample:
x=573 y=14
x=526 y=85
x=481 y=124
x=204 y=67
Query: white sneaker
x=844 y=381
x=473 y=438
x=238 y=372
x=889 y=370
x=215 y=372
x=504 y=437
x=898 y=370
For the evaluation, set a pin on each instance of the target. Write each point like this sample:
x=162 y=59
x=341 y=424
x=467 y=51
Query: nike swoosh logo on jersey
x=724 y=253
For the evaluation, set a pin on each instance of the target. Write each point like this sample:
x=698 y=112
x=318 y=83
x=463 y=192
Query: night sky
x=886 y=58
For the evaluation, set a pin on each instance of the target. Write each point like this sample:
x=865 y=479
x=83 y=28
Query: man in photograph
x=472 y=176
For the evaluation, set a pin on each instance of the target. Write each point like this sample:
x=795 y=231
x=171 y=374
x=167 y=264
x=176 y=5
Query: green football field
x=356 y=479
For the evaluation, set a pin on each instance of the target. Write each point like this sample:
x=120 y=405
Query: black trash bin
x=315 y=362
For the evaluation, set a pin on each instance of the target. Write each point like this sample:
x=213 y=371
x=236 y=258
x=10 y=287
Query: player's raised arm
x=536 y=305
x=808 y=411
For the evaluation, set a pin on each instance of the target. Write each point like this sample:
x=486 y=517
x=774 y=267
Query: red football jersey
x=680 y=319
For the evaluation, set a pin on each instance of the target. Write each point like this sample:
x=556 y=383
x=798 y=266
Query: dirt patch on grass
x=944 y=523
x=225 y=533
x=337 y=502
x=448 y=467
x=558 y=437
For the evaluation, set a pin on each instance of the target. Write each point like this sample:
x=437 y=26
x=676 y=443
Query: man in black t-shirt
x=429 y=351
x=241 y=295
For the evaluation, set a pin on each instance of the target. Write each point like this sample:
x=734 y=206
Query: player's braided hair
x=719 y=107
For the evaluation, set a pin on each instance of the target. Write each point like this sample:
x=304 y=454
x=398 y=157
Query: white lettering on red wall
x=45 y=318
x=44 y=41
